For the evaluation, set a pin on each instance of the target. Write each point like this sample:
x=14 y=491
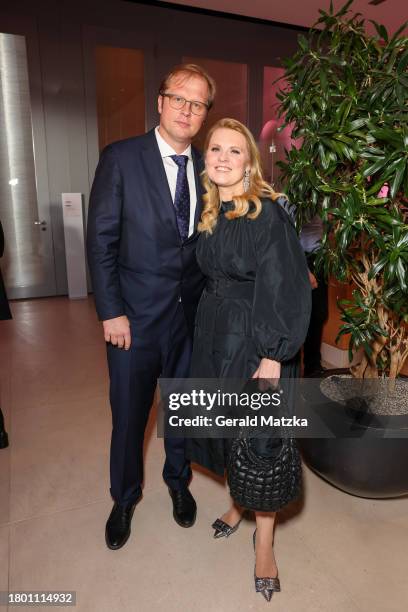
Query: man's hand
x=313 y=280
x=270 y=370
x=117 y=332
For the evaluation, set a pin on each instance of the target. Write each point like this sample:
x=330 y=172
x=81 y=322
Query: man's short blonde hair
x=186 y=71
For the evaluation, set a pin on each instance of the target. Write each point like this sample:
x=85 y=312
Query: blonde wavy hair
x=257 y=186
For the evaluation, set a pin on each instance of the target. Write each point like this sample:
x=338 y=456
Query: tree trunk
x=395 y=362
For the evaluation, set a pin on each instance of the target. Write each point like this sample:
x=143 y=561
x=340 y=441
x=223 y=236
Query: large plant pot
x=366 y=464
x=366 y=468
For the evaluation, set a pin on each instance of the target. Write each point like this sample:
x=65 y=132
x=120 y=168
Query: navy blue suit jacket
x=138 y=264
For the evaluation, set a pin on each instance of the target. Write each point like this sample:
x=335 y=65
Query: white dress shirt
x=171 y=170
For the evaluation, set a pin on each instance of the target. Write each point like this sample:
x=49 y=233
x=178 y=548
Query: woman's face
x=226 y=160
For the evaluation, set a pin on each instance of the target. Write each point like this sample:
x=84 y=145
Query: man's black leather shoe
x=3 y=439
x=118 y=525
x=184 y=507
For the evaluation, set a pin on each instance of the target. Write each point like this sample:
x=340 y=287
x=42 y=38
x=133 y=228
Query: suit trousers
x=133 y=379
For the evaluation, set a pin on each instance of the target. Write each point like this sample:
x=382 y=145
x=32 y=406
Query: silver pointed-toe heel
x=267 y=586
x=222 y=529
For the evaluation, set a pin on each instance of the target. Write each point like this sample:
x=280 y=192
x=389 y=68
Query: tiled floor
x=336 y=553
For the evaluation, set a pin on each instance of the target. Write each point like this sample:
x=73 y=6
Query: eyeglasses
x=178 y=102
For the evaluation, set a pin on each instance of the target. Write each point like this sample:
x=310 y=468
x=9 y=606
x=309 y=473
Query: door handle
x=43 y=225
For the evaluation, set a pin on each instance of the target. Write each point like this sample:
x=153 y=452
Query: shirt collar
x=166 y=150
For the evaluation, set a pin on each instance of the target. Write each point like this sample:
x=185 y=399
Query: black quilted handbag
x=264 y=484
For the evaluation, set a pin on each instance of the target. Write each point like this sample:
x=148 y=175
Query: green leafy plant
x=346 y=97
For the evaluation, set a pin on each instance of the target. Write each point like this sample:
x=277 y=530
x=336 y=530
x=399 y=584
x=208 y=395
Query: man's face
x=178 y=127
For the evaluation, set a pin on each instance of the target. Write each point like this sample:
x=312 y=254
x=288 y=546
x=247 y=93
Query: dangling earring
x=246 y=180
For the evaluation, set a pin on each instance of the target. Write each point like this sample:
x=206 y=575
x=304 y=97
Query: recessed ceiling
x=391 y=13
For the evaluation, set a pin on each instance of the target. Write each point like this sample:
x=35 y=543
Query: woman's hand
x=269 y=372
x=313 y=280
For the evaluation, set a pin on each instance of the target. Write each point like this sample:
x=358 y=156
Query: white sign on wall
x=72 y=212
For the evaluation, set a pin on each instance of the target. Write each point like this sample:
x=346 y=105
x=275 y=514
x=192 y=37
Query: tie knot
x=180 y=160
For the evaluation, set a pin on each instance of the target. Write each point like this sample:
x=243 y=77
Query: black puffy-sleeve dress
x=256 y=304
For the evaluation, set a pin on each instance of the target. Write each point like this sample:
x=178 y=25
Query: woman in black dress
x=4 y=314
x=254 y=313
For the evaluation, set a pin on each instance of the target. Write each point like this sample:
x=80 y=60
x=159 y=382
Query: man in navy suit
x=144 y=208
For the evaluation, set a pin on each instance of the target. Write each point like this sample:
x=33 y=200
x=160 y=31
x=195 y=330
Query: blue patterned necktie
x=182 y=196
